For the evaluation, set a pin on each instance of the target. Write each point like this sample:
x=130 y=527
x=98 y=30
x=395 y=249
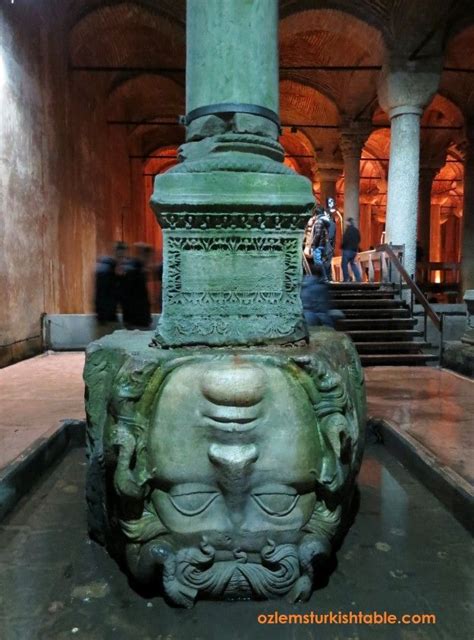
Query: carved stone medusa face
x=240 y=460
x=236 y=477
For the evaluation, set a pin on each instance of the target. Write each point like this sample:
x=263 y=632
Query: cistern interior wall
x=91 y=91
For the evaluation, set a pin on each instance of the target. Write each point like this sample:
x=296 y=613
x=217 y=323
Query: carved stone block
x=232 y=231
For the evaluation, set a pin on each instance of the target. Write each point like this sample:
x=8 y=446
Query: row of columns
x=404 y=91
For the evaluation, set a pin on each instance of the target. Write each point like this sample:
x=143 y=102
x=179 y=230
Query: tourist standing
x=331 y=242
x=350 y=248
x=321 y=239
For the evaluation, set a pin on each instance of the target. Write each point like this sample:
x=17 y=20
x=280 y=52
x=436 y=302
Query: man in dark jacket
x=350 y=247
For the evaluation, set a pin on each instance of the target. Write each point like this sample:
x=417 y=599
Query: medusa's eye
x=192 y=499
x=276 y=500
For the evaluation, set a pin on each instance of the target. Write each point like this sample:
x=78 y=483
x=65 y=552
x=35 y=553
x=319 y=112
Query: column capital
x=406 y=87
x=329 y=173
x=353 y=137
x=352 y=144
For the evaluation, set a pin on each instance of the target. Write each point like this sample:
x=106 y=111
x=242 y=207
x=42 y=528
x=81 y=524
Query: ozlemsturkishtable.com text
x=349 y=617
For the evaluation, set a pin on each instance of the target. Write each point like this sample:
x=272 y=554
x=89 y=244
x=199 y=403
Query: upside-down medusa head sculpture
x=242 y=493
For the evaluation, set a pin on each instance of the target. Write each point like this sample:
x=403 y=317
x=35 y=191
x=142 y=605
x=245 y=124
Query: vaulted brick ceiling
x=313 y=33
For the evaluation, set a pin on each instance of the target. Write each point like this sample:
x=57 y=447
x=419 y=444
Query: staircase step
x=368 y=303
x=394 y=346
x=362 y=295
x=362 y=335
x=394 y=359
x=377 y=313
x=376 y=323
x=358 y=286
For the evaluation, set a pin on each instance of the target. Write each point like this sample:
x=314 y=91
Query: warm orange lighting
x=437 y=277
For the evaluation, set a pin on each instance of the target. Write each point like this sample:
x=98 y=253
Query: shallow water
x=405 y=554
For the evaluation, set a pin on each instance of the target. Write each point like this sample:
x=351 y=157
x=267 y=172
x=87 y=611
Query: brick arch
x=374 y=13
x=298 y=101
x=143 y=141
x=79 y=9
x=328 y=37
x=146 y=97
x=458 y=87
x=296 y=144
x=126 y=34
x=301 y=104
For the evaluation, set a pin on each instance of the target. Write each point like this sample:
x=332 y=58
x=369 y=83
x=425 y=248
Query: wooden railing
x=431 y=273
x=413 y=287
x=374 y=264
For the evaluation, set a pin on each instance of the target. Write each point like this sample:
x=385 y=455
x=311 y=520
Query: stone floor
x=434 y=406
x=405 y=554
x=35 y=395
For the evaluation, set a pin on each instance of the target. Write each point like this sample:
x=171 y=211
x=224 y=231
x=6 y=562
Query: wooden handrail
x=420 y=297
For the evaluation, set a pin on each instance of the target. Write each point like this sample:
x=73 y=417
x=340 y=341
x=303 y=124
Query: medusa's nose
x=234 y=385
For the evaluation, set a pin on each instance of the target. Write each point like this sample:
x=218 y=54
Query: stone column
x=352 y=141
x=435 y=247
x=404 y=90
x=216 y=76
x=365 y=225
x=328 y=177
x=427 y=175
x=467 y=252
x=232 y=213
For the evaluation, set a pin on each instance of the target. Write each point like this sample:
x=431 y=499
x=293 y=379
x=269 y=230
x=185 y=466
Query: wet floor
x=405 y=555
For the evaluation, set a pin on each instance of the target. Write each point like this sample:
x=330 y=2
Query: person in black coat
x=107 y=293
x=134 y=290
x=315 y=297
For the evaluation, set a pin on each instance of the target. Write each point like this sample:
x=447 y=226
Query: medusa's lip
x=228 y=418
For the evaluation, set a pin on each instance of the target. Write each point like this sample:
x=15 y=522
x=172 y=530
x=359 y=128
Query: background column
x=427 y=175
x=352 y=141
x=403 y=93
x=328 y=177
x=467 y=252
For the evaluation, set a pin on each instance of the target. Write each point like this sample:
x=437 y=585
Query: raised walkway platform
x=424 y=415
x=36 y=395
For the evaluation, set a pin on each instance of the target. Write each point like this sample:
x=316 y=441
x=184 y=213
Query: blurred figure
x=155 y=270
x=350 y=248
x=134 y=298
x=315 y=297
x=421 y=267
x=107 y=287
